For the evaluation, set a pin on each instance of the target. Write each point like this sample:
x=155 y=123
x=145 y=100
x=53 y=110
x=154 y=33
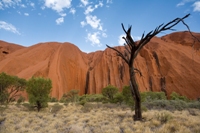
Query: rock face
x=170 y=63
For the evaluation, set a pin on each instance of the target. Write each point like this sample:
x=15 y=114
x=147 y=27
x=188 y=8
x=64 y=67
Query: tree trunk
x=38 y=106
x=135 y=95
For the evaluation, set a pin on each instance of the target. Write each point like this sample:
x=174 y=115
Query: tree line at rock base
x=38 y=90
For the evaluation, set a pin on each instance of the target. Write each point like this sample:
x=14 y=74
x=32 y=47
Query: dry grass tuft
x=97 y=118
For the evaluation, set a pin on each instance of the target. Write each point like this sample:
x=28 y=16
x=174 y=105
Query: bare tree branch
x=128 y=35
x=119 y=53
x=138 y=71
x=126 y=55
x=128 y=43
x=127 y=48
x=190 y=31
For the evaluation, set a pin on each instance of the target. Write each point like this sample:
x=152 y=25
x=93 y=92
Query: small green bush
x=71 y=96
x=163 y=117
x=128 y=99
x=144 y=109
x=176 y=96
x=178 y=104
x=38 y=90
x=82 y=102
x=20 y=100
x=53 y=99
x=194 y=104
x=56 y=108
x=63 y=99
x=118 y=98
x=109 y=92
x=28 y=106
x=92 y=98
x=157 y=104
x=89 y=106
x=151 y=96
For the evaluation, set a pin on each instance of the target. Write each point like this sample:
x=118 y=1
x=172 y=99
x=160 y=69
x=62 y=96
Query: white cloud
x=100 y=4
x=180 y=4
x=196 y=6
x=72 y=10
x=136 y=38
x=104 y=35
x=109 y=1
x=62 y=14
x=59 y=20
x=83 y=23
x=43 y=7
x=93 y=21
x=58 y=5
x=32 y=4
x=121 y=40
x=89 y=10
x=22 y=5
x=183 y=2
x=19 y=12
x=85 y=2
x=9 y=3
x=94 y=38
x=8 y=27
x=26 y=14
x=100 y=27
x=1 y=6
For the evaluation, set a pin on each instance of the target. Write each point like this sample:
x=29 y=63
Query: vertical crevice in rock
x=150 y=83
x=163 y=85
x=94 y=87
x=108 y=75
x=87 y=81
x=121 y=68
x=156 y=58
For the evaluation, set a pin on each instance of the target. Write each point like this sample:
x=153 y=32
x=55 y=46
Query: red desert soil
x=169 y=63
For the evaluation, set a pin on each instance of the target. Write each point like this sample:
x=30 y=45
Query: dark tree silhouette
x=131 y=51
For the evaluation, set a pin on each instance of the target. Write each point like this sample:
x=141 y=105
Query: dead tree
x=131 y=51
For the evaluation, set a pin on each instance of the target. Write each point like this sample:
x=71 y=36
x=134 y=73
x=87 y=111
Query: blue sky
x=89 y=24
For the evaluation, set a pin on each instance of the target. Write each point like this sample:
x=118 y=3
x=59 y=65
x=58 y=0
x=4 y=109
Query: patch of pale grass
x=98 y=119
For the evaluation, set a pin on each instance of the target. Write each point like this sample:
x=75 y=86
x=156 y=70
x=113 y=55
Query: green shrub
x=56 y=108
x=151 y=96
x=144 y=109
x=194 y=104
x=163 y=117
x=9 y=87
x=118 y=98
x=92 y=98
x=178 y=104
x=109 y=92
x=63 y=99
x=20 y=100
x=28 y=106
x=71 y=96
x=176 y=96
x=38 y=90
x=157 y=104
x=128 y=99
x=90 y=106
x=82 y=102
x=53 y=99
